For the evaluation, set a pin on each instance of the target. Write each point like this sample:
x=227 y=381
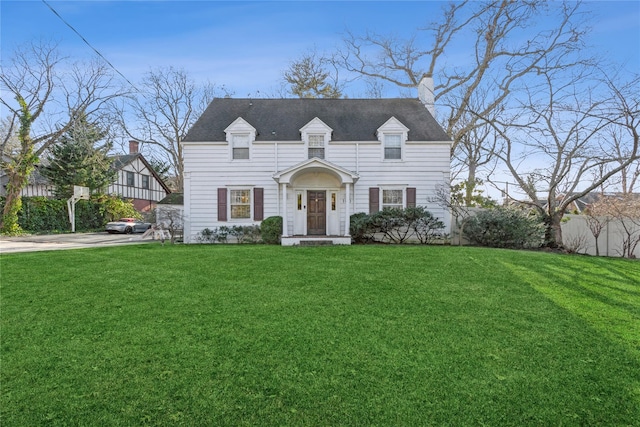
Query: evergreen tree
x=307 y=78
x=78 y=159
x=161 y=167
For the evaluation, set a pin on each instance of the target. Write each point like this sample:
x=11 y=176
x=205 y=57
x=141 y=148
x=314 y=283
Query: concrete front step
x=315 y=240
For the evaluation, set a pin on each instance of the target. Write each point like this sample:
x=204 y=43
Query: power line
x=89 y=44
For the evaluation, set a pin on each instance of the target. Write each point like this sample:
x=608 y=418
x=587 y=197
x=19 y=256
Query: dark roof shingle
x=281 y=119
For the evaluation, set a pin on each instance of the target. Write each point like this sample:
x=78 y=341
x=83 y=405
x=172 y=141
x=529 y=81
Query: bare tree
x=172 y=219
x=626 y=210
x=562 y=129
x=476 y=148
x=597 y=216
x=9 y=144
x=502 y=54
x=163 y=110
x=308 y=77
x=43 y=93
x=618 y=142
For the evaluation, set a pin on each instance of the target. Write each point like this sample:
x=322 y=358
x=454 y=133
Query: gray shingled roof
x=173 y=199
x=121 y=160
x=350 y=119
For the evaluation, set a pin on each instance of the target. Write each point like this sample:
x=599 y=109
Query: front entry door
x=316 y=213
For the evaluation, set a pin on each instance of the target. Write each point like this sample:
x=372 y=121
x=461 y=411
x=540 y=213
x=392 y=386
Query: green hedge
x=44 y=215
x=271 y=230
x=505 y=228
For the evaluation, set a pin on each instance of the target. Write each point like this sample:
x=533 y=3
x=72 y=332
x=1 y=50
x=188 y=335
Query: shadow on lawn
x=605 y=296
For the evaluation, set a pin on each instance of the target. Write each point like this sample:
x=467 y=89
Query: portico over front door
x=316 y=213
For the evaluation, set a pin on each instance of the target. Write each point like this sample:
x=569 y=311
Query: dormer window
x=240 y=148
x=240 y=136
x=393 y=135
x=316 y=135
x=316 y=146
x=392 y=146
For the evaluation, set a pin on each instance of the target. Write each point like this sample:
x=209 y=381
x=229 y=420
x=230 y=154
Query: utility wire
x=89 y=44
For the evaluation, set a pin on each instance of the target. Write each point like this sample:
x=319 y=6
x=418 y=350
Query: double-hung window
x=392 y=146
x=316 y=146
x=392 y=199
x=240 y=201
x=145 y=181
x=240 y=147
x=131 y=178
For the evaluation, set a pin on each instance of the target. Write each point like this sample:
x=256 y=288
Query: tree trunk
x=13 y=204
x=18 y=171
x=553 y=230
x=471 y=184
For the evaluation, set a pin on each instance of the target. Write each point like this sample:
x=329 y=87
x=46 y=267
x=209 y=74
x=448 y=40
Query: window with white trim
x=392 y=199
x=240 y=147
x=316 y=146
x=392 y=136
x=392 y=146
x=240 y=204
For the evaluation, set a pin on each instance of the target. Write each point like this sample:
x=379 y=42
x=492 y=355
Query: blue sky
x=246 y=45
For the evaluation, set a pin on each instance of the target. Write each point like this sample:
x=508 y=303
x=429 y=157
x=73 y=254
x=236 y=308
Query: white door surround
x=315 y=175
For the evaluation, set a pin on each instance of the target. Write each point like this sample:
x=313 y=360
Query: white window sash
x=240 y=204
x=392 y=146
x=392 y=198
x=240 y=147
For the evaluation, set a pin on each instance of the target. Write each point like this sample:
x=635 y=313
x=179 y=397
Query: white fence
x=577 y=235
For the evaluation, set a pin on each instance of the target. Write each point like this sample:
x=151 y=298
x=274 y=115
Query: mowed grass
x=321 y=336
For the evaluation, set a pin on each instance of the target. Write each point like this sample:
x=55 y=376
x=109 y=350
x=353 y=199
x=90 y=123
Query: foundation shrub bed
x=237 y=233
x=392 y=225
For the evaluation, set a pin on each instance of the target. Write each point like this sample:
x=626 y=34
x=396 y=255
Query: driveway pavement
x=67 y=241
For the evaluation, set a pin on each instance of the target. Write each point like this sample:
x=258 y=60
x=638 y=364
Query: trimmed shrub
x=504 y=228
x=242 y=234
x=246 y=233
x=425 y=226
x=360 y=228
x=271 y=230
x=396 y=226
x=222 y=233
x=207 y=236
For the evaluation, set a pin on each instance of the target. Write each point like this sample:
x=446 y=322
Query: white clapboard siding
x=424 y=166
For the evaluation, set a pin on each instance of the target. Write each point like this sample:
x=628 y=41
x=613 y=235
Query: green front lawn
x=322 y=336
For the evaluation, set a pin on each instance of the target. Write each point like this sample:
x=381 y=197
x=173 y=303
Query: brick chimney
x=425 y=93
x=133 y=147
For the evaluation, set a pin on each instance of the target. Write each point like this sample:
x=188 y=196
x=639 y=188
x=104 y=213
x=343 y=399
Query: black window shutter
x=222 y=204
x=258 y=204
x=411 y=197
x=374 y=200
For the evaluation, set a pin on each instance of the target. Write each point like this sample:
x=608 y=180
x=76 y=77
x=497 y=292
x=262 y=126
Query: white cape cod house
x=314 y=162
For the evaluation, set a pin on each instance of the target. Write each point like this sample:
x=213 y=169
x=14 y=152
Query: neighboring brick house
x=314 y=162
